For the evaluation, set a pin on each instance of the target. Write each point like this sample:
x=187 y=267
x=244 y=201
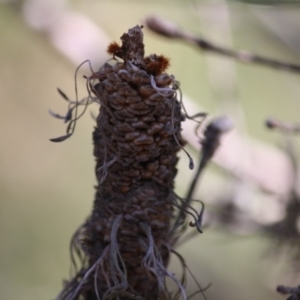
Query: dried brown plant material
x=125 y=245
x=293 y=291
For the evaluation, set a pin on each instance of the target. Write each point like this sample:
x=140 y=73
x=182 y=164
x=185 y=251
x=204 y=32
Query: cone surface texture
x=126 y=241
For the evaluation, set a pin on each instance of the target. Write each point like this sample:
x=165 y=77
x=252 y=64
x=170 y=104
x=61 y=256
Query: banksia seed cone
x=126 y=242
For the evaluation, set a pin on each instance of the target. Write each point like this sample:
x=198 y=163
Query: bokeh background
x=47 y=190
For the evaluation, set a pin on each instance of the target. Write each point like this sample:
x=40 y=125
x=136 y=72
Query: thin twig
x=169 y=29
x=288 y=128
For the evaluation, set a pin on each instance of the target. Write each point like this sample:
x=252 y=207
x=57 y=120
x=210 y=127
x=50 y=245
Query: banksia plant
x=125 y=245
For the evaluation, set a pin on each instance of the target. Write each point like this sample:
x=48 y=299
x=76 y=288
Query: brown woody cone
x=127 y=238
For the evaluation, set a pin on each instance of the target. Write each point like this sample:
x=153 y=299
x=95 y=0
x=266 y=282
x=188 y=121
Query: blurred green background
x=47 y=188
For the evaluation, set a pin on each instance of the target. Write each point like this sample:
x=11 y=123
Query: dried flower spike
x=124 y=247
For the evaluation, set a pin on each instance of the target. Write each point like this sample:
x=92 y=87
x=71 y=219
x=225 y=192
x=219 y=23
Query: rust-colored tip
x=156 y=65
x=113 y=48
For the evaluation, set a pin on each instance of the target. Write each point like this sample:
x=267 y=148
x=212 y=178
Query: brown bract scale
x=127 y=238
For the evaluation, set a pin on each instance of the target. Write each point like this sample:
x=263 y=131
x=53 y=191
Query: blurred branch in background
x=70 y=32
x=171 y=30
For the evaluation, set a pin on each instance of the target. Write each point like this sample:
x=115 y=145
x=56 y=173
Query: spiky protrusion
x=127 y=239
